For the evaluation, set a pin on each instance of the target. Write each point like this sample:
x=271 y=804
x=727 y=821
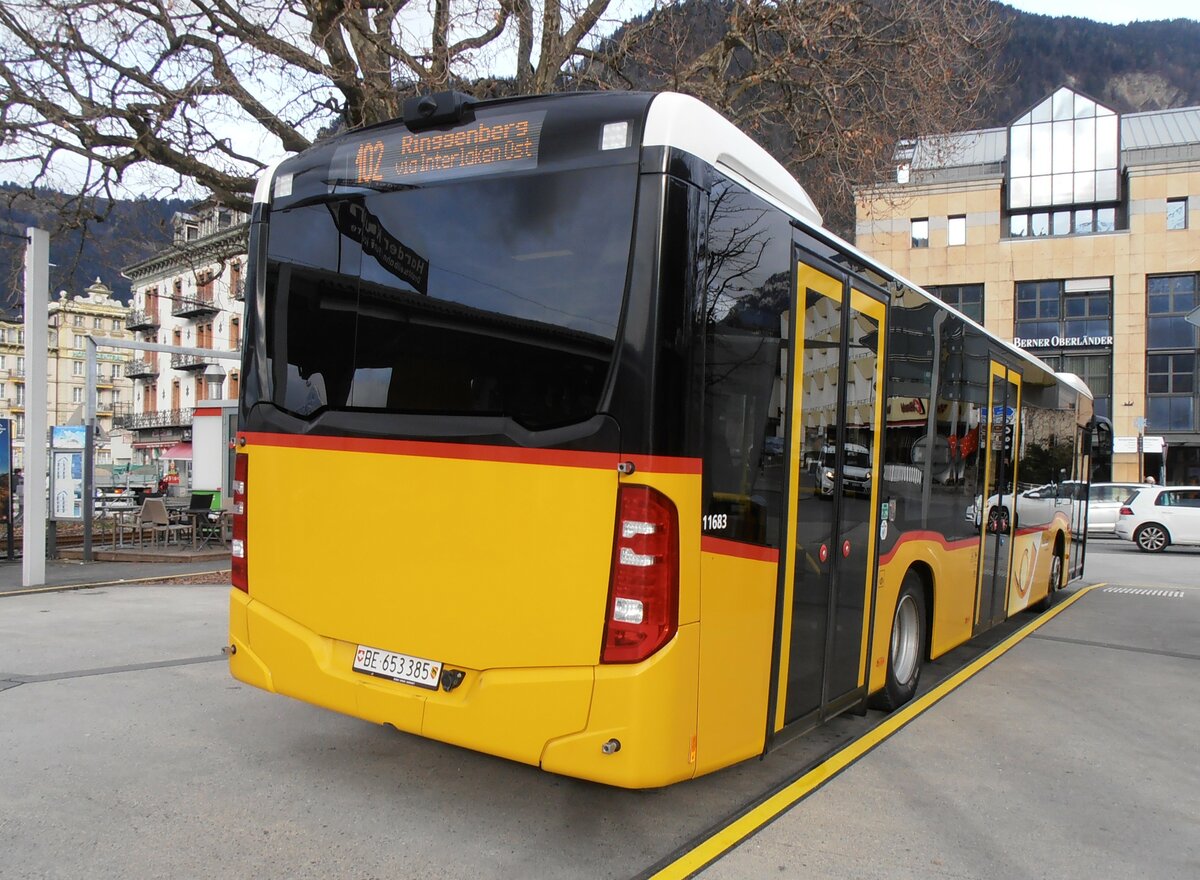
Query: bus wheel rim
x=905 y=640
x=1056 y=573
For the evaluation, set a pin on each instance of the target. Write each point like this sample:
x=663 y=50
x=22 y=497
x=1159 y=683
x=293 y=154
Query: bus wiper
x=346 y=195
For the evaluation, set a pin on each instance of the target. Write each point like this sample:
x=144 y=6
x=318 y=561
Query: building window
x=1094 y=369
x=116 y=324
x=956 y=231
x=1087 y=313
x=1177 y=213
x=78 y=341
x=78 y=322
x=1063 y=152
x=1057 y=318
x=1171 y=375
x=77 y=395
x=920 y=233
x=76 y=368
x=97 y=323
x=1038 y=309
x=1169 y=299
x=967 y=298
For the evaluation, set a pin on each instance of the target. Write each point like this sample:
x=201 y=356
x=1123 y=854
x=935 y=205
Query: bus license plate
x=398 y=667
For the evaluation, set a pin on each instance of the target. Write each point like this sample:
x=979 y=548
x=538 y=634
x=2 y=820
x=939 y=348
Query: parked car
x=1104 y=504
x=1158 y=516
x=856 y=471
x=1035 y=506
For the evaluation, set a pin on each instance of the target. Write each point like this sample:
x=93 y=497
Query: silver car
x=1104 y=504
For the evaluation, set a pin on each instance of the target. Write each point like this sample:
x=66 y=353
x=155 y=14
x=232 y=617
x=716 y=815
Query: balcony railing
x=141 y=369
x=167 y=418
x=188 y=362
x=194 y=306
x=139 y=320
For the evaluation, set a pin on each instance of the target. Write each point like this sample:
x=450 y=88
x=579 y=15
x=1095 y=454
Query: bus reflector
x=643 y=592
x=241 y=464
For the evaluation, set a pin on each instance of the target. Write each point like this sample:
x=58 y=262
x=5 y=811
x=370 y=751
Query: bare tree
x=203 y=89
x=828 y=86
x=200 y=91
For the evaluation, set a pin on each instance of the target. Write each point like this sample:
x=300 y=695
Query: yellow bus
x=569 y=435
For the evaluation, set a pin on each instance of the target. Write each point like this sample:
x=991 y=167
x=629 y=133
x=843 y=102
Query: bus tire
x=906 y=647
x=1056 y=571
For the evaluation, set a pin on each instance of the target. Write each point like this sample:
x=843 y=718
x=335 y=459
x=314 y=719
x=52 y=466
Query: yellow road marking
x=744 y=826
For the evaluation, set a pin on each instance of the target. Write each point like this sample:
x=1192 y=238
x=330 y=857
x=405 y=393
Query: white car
x=1158 y=516
x=856 y=473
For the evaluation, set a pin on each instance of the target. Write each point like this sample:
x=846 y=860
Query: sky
x=1112 y=12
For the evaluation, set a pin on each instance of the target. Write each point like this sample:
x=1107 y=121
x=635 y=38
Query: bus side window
x=747 y=294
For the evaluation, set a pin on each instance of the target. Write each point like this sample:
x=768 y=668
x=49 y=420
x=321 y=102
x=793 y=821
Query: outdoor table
x=116 y=512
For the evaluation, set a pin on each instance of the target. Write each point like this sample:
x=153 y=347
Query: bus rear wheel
x=906 y=649
x=1056 y=570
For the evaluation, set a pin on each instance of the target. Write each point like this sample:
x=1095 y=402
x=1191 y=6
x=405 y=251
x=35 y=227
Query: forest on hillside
x=118 y=235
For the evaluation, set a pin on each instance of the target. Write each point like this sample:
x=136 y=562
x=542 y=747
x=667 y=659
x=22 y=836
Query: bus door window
x=836 y=415
x=998 y=505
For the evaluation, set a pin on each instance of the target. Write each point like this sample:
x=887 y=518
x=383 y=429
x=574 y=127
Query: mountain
x=1139 y=66
x=1145 y=65
x=115 y=235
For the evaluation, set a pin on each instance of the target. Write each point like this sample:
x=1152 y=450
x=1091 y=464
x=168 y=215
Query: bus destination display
x=504 y=143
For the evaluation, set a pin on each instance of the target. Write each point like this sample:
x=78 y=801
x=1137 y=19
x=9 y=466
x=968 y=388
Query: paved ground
x=126 y=750
x=1073 y=756
x=61 y=573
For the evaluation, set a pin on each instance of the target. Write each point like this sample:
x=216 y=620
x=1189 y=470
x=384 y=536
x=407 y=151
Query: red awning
x=179 y=452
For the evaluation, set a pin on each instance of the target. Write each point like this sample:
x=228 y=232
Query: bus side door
x=835 y=411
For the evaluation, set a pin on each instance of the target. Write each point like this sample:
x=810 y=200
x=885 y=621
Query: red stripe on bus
x=937 y=538
x=737 y=548
x=476 y=452
x=663 y=464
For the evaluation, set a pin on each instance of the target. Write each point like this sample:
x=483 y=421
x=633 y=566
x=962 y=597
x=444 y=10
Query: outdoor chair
x=153 y=518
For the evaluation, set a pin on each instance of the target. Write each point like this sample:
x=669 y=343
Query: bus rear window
x=497 y=297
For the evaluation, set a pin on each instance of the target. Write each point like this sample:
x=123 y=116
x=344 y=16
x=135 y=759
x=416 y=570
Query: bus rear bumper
x=558 y=718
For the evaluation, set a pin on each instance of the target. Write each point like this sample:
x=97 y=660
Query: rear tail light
x=241 y=466
x=643 y=592
x=1126 y=511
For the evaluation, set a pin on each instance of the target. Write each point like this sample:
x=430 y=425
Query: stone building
x=1075 y=233
x=71 y=318
x=188 y=295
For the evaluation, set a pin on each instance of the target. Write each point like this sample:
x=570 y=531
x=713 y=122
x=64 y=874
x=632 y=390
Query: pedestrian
x=1150 y=481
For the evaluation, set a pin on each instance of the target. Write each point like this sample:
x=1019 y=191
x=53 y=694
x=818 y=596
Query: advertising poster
x=66 y=471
